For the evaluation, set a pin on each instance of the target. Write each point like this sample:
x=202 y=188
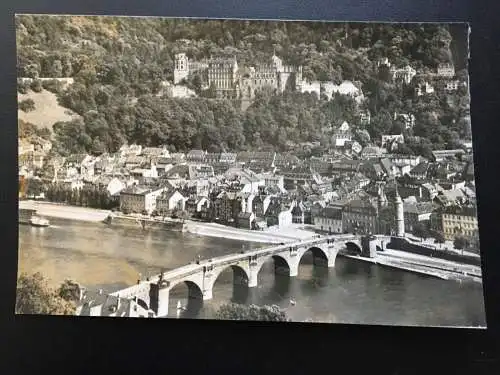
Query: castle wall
x=314 y=86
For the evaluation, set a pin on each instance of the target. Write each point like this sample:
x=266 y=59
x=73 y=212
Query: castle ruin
x=233 y=82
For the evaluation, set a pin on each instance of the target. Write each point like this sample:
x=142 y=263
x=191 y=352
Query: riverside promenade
x=424 y=265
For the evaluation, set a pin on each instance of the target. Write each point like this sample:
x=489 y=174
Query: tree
x=34 y=187
x=53 y=85
x=34 y=296
x=98 y=148
x=69 y=291
x=27 y=105
x=363 y=137
x=439 y=238
x=252 y=312
x=44 y=133
x=22 y=87
x=36 y=85
x=420 y=230
x=460 y=242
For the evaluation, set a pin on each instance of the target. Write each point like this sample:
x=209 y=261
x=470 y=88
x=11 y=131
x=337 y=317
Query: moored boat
x=37 y=221
x=25 y=215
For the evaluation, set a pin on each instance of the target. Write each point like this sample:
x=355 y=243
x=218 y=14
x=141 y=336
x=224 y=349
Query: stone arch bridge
x=154 y=293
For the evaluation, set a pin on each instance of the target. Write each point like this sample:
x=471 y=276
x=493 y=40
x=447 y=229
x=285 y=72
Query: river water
x=98 y=256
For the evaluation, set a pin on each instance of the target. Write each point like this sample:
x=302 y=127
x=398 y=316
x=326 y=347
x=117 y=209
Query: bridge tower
x=159 y=297
x=400 y=219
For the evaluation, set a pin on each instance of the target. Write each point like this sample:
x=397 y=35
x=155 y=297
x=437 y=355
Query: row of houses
x=363 y=216
x=334 y=192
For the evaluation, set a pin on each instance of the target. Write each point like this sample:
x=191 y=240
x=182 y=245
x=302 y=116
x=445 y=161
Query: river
x=98 y=256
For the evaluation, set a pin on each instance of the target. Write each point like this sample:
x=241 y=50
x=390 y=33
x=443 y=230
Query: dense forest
x=119 y=64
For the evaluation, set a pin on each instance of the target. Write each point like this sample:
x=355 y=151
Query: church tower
x=181 y=68
x=400 y=219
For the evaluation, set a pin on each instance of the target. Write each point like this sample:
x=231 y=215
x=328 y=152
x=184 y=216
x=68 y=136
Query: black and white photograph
x=237 y=169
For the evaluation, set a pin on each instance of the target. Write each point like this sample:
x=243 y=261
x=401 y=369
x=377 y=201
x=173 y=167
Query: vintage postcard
x=249 y=170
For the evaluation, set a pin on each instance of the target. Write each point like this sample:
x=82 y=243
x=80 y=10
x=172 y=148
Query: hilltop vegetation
x=118 y=65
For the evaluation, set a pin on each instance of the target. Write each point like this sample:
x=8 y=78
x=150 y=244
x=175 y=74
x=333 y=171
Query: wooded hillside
x=118 y=65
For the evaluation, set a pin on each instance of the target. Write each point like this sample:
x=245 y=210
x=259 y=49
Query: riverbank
x=419 y=264
x=403 y=260
x=62 y=211
x=271 y=235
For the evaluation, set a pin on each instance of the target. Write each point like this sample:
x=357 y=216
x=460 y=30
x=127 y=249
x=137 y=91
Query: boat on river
x=180 y=307
x=37 y=221
x=31 y=217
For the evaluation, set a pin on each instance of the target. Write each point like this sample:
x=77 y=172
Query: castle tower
x=400 y=220
x=277 y=63
x=181 y=68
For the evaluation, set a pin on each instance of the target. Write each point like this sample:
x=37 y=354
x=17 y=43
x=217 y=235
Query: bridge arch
x=240 y=281
x=353 y=248
x=191 y=300
x=318 y=254
x=281 y=264
x=142 y=303
x=238 y=272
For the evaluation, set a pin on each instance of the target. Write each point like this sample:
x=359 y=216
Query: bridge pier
x=163 y=302
x=253 y=277
x=294 y=268
x=332 y=256
x=331 y=261
x=207 y=294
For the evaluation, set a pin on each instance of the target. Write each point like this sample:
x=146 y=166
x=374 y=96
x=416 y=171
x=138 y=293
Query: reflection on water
x=352 y=292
